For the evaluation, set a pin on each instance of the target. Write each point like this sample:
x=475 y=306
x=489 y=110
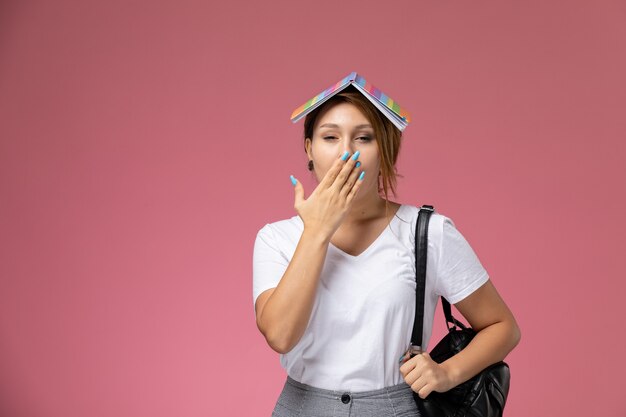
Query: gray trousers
x=301 y=400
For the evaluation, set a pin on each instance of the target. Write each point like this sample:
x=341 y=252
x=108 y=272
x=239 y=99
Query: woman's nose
x=348 y=147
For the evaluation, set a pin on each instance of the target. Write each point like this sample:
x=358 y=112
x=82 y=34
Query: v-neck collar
x=374 y=242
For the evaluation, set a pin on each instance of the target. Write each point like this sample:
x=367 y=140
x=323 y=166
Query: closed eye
x=361 y=138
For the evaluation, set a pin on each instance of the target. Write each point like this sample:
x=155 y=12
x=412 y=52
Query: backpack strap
x=421 y=256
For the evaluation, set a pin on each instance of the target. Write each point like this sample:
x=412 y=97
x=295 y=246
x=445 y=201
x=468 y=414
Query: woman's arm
x=498 y=333
x=283 y=313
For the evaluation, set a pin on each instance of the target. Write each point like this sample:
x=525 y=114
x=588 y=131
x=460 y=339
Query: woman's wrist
x=315 y=235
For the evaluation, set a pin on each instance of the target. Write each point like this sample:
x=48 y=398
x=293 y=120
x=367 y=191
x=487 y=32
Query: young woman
x=334 y=286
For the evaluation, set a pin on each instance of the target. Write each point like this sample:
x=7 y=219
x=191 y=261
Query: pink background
x=144 y=143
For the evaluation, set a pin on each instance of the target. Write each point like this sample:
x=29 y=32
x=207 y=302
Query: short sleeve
x=459 y=271
x=268 y=262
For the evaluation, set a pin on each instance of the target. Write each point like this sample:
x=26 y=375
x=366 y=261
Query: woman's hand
x=331 y=200
x=424 y=375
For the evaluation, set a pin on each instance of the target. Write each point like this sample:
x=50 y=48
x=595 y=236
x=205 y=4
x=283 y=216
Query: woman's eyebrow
x=337 y=126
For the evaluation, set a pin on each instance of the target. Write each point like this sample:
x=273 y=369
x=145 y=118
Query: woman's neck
x=367 y=208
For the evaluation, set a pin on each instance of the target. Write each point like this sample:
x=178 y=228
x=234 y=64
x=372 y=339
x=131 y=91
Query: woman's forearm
x=287 y=311
x=490 y=345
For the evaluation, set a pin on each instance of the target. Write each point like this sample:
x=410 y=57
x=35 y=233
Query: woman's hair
x=388 y=136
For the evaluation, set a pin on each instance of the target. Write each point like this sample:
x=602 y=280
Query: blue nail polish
x=345 y=156
x=358 y=164
x=293 y=180
x=362 y=175
x=356 y=155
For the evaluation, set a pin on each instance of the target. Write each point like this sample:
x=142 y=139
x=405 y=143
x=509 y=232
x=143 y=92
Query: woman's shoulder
x=438 y=224
x=410 y=212
x=285 y=228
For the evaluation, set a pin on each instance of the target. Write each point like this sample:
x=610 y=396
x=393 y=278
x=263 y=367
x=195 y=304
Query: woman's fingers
x=424 y=375
x=421 y=388
x=298 y=190
x=334 y=170
x=328 y=204
x=345 y=172
x=350 y=183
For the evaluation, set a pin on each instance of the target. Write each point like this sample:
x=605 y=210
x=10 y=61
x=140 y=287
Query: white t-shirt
x=363 y=314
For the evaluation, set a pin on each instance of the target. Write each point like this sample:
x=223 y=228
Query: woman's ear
x=307 y=146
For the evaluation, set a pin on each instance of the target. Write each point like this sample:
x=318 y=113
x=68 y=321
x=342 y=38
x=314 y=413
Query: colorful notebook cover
x=398 y=116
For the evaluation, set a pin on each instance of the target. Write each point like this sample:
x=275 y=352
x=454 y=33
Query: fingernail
x=293 y=180
x=362 y=175
x=358 y=164
x=356 y=155
x=345 y=156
